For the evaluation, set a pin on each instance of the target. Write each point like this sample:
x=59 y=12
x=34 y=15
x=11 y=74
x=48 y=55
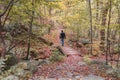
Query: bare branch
x=7 y=14
x=7 y=8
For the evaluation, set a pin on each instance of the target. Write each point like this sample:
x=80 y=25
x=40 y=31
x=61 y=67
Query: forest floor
x=73 y=67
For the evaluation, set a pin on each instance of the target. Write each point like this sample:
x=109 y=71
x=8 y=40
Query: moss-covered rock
x=85 y=41
x=11 y=77
x=10 y=60
x=56 y=56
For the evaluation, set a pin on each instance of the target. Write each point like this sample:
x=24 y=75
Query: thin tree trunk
x=118 y=7
x=108 y=33
x=90 y=15
x=118 y=49
x=7 y=14
x=2 y=32
x=30 y=32
x=4 y=46
x=2 y=14
x=78 y=33
x=97 y=10
x=50 y=11
x=97 y=19
x=112 y=36
x=45 y=10
x=103 y=24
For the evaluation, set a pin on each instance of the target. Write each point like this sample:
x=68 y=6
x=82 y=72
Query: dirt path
x=72 y=68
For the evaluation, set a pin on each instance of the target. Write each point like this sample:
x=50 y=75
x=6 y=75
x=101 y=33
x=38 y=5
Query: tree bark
x=30 y=32
x=2 y=14
x=118 y=8
x=50 y=11
x=108 y=33
x=2 y=32
x=4 y=46
x=118 y=49
x=90 y=16
x=103 y=24
x=97 y=10
x=97 y=19
x=7 y=14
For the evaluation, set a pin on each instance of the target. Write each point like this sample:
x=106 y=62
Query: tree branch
x=10 y=7
x=15 y=45
x=7 y=8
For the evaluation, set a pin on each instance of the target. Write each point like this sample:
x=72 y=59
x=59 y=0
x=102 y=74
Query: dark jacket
x=62 y=35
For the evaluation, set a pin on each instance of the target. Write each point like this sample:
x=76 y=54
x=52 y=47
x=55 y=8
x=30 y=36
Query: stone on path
x=81 y=63
x=92 y=77
x=50 y=79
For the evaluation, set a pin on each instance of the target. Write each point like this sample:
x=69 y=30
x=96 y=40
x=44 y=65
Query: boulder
x=117 y=71
x=32 y=65
x=10 y=61
x=85 y=41
x=82 y=63
x=77 y=77
x=109 y=71
x=23 y=65
x=92 y=77
x=11 y=77
x=44 y=62
x=20 y=72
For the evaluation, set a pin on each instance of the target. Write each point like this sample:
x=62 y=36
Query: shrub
x=87 y=59
x=2 y=65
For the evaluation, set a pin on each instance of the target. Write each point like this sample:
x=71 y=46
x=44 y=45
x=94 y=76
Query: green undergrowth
x=87 y=59
x=100 y=67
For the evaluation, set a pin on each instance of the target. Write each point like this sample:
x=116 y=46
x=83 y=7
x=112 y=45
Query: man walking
x=62 y=37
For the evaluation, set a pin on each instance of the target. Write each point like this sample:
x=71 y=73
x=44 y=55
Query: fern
x=2 y=65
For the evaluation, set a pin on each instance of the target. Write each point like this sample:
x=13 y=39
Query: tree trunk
x=97 y=10
x=45 y=10
x=118 y=8
x=118 y=49
x=108 y=34
x=78 y=33
x=90 y=16
x=4 y=15
x=30 y=32
x=97 y=20
x=4 y=46
x=50 y=11
x=103 y=24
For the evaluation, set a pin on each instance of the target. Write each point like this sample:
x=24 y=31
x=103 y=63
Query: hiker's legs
x=62 y=42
